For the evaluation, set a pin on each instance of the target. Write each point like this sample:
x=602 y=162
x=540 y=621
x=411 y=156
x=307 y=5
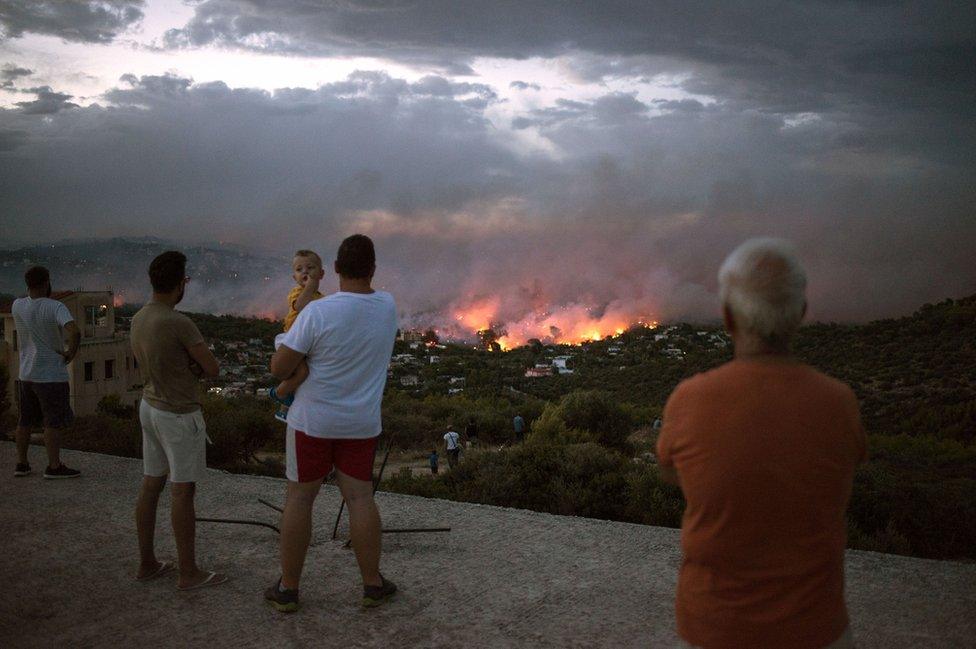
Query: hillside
x=236 y=279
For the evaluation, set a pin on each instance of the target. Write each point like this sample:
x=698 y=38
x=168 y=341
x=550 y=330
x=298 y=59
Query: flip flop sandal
x=164 y=567
x=213 y=579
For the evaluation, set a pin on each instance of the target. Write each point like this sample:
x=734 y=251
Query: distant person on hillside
x=452 y=442
x=764 y=449
x=172 y=357
x=432 y=458
x=43 y=393
x=307 y=271
x=471 y=433
x=519 y=425
x=346 y=339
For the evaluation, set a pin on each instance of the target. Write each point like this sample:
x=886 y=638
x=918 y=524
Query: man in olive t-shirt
x=161 y=338
x=172 y=355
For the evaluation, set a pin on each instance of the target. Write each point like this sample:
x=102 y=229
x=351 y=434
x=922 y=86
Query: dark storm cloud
x=10 y=139
x=84 y=21
x=10 y=72
x=232 y=162
x=829 y=49
x=846 y=127
x=48 y=101
x=680 y=105
x=647 y=197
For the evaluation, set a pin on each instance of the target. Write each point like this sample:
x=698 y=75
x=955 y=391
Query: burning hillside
x=572 y=323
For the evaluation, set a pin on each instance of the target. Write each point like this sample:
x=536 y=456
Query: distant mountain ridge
x=226 y=278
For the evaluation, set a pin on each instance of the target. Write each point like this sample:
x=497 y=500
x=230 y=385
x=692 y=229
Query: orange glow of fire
x=478 y=316
x=574 y=324
x=118 y=300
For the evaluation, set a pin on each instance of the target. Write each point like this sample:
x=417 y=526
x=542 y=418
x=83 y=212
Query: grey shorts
x=173 y=443
x=44 y=404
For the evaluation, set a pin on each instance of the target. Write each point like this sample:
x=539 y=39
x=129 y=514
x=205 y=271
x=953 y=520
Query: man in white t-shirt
x=43 y=394
x=453 y=443
x=346 y=339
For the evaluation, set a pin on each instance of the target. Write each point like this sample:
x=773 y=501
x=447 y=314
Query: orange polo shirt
x=765 y=452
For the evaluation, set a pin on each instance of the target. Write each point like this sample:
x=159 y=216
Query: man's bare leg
x=364 y=526
x=184 y=529
x=23 y=443
x=152 y=487
x=52 y=442
x=296 y=530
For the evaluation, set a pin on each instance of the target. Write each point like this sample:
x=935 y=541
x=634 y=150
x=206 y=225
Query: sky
x=522 y=160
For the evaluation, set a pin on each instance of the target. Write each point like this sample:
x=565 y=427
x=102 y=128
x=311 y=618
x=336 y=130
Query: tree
x=585 y=416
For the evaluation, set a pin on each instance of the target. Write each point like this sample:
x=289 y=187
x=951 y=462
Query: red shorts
x=312 y=458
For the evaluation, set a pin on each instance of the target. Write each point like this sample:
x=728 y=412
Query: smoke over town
x=561 y=180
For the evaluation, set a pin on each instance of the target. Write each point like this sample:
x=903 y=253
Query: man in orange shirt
x=764 y=449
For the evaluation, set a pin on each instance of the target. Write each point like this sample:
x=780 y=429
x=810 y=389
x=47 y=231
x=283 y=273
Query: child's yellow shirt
x=292 y=313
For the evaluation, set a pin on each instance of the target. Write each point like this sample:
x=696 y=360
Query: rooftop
x=56 y=295
x=501 y=577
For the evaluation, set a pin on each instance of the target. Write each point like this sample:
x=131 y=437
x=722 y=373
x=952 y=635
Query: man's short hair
x=356 y=258
x=764 y=286
x=309 y=253
x=37 y=277
x=167 y=271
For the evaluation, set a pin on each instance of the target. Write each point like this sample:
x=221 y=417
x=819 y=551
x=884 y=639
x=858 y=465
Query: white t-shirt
x=452 y=440
x=39 y=322
x=347 y=339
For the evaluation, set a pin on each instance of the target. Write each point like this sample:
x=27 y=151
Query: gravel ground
x=500 y=578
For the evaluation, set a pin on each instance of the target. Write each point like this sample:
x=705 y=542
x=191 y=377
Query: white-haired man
x=764 y=449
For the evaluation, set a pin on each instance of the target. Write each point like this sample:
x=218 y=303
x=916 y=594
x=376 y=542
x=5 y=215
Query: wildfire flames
x=570 y=324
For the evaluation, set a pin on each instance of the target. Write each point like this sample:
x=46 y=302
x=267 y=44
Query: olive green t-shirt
x=161 y=337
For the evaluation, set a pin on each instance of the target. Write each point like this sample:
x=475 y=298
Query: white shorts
x=173 y=443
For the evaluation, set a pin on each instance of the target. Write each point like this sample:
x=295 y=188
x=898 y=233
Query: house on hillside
x=538 y=371
x=104 y=364
x=559 y=364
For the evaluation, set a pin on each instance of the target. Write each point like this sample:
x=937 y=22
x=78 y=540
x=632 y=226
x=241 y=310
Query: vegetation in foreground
x=588 y=453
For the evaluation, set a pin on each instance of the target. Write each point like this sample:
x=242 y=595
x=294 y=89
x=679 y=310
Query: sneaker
x=282 y=415
x=284 y=600
x=22 y=470
x=376 y=595
x=60 y=473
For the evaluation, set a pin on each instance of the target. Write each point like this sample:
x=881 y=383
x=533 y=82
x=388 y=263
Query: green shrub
x=422 y=422
x=653 y=501
x=573 y=479
x=916 y=496
x=111 y=405
x=104 y=434
x=239 y=428
x=585 y=416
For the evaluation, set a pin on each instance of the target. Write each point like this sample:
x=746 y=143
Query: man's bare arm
x=284 y=362
x=205 y=359
x=74 y=340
